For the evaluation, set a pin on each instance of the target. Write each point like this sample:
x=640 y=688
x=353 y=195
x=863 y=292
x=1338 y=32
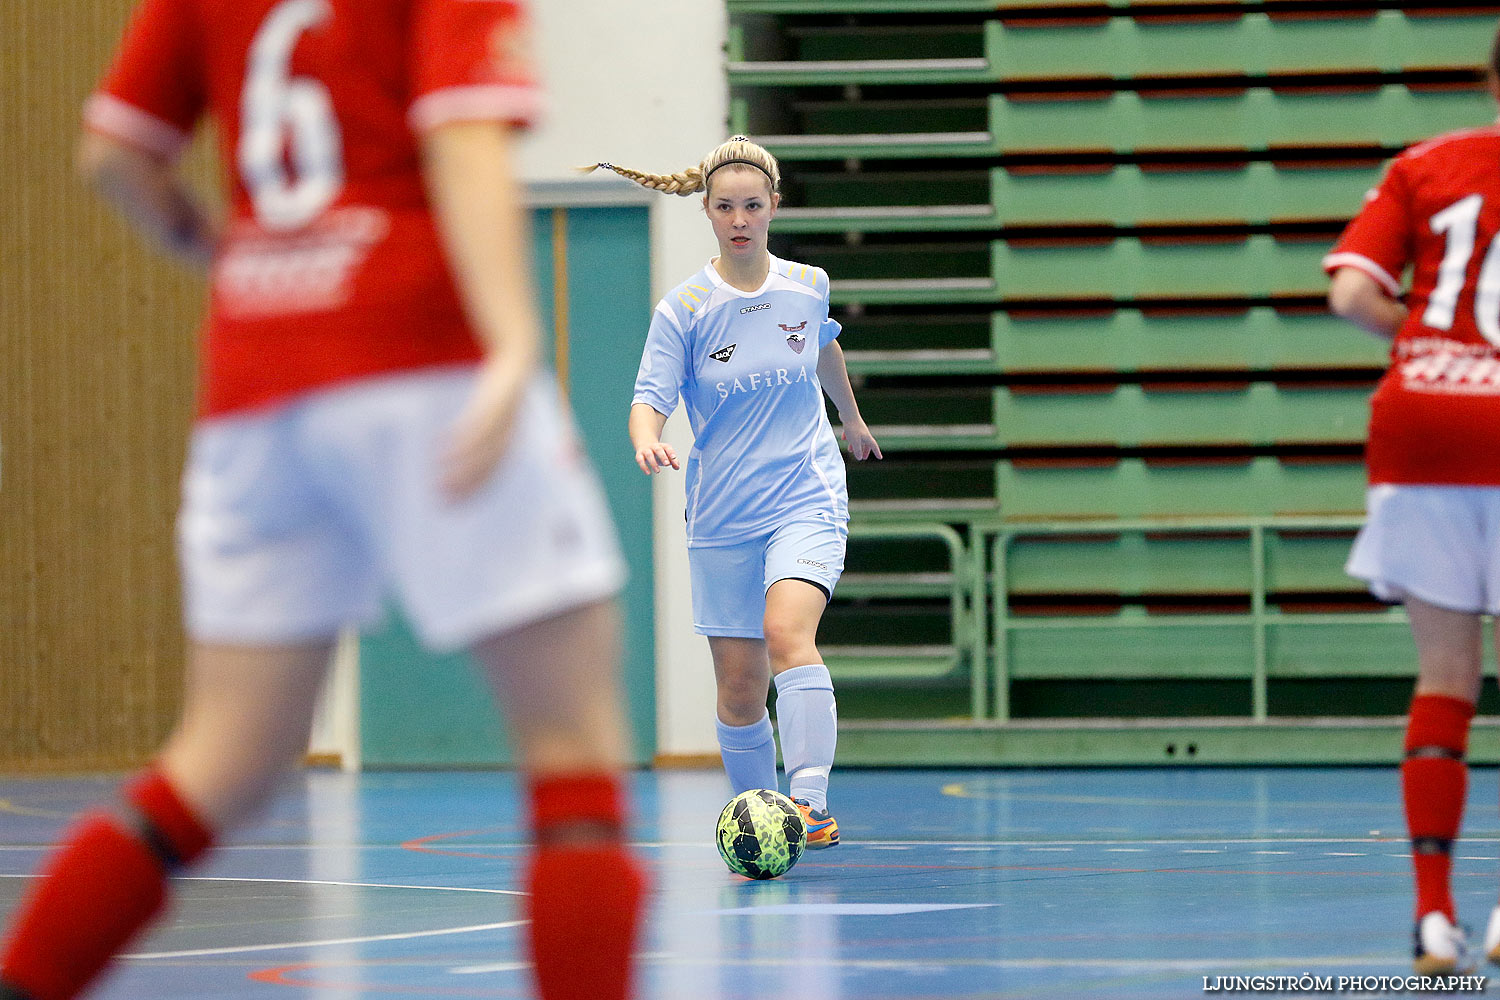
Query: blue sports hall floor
x=949 y=884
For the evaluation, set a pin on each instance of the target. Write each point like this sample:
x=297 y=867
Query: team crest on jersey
x=792 y=329
x=796 y=341
x=724 y=353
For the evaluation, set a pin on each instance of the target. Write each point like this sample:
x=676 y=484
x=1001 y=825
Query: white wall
x=643 y=85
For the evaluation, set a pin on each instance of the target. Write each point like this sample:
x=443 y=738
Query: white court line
x=471 y=970
x=243 y=949
x=1147 y=965
x=405 y=936
x=698 y=844
x=312 y=881
x=353 y=885
x=474 y=970
x=1126 y=964
x=1050 y=844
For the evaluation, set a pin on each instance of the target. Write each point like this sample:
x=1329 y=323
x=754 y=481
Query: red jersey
x=331 y=266
x=1435 y=417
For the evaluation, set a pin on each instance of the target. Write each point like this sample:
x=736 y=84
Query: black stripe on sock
x=9 y=992
x=156 y=842
x=1434 y=753
x=1431 y=845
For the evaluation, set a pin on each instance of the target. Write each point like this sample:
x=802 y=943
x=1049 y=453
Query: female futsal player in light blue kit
x=748 y=345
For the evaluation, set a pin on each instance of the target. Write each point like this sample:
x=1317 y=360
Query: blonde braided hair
x=738 y=150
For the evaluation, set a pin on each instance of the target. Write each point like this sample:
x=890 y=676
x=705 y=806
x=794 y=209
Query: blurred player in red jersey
x=373 y=415
x=1432 y=538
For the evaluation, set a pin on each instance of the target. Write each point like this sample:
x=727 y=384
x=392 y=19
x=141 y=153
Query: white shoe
x=1442 y=949
x=1492 y=937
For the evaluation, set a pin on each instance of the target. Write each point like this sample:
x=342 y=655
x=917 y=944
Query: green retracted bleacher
x=1248 y=267
x=1022 y=48
x=1244 y=42
x=1122 y=196
x=1261 y=486
x=1129 y=340
x=1076 y=250
x=1122 y=340
x=1116 y=416
x=1256 y=119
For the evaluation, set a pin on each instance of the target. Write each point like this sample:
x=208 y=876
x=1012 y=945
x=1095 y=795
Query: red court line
x=281 y=976
x=419 y=844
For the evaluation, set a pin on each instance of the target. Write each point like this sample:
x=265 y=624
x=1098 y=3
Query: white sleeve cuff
x=1365 y=264
x=490 y=102
x=112 y=116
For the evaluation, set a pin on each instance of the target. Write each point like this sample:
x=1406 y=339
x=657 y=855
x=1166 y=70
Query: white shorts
x=1439 y=544
x=297 y=521
x=730 y=581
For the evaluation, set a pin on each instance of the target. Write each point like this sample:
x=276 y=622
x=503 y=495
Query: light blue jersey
x=746 y=364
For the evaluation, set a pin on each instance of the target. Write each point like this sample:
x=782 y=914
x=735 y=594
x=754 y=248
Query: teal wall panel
x=421 y=710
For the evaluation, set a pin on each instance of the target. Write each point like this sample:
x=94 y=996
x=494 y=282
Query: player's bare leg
x=245 y=720
x=1492 y=931
x=1434 y=777
x=742 y=673
x=557 y=681
x=805 y=708
x=747 y=743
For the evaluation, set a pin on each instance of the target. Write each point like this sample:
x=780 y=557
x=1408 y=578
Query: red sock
x=1433 y=782
x=99 y=890
x=586 y=890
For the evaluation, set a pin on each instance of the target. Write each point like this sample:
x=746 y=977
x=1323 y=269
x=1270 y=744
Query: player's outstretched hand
x=481 y=434
x=861 y=442
x=653 y=458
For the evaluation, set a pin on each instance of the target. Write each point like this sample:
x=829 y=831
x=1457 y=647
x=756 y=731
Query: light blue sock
x=749 y=754
x=808 y=719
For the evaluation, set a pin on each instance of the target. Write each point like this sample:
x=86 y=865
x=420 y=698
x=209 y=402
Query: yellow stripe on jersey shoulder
x=689 y=300
x=805 y=273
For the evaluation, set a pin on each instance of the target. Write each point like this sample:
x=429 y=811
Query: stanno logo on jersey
x=796 y=341
x=755 y=308
x=724 y=353
x=792 y=329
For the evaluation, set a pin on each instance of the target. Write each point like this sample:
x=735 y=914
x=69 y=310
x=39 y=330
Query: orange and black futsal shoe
x=822 y=829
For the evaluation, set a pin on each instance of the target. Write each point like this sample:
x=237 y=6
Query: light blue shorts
x=730 y=581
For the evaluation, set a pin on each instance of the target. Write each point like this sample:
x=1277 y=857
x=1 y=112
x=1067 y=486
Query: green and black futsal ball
x=761 y=834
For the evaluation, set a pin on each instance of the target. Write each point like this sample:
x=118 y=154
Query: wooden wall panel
x=95 y=401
